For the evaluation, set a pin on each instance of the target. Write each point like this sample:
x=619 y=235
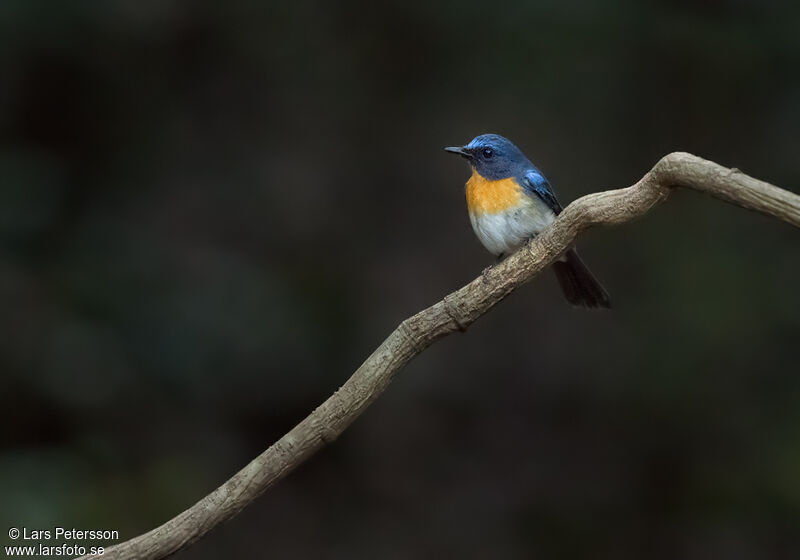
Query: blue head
x=494 y=157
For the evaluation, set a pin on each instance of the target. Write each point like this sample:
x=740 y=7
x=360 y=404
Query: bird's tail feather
x=579 y=285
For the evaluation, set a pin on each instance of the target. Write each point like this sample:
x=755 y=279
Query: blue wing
x=535 y=183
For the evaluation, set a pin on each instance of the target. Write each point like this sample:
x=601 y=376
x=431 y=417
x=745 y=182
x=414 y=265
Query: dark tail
x=579 y=285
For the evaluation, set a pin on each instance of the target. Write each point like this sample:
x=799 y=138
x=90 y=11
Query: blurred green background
x=211 y=213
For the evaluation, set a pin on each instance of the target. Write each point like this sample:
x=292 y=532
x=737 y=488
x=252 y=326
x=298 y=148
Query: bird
x=510 y=201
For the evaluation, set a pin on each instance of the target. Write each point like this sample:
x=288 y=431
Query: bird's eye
x=488 y=152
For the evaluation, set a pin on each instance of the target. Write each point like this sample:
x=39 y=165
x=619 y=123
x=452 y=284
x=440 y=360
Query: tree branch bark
x=453 y=313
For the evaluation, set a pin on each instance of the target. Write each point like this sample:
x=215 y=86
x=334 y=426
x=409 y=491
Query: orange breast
x=490 y=197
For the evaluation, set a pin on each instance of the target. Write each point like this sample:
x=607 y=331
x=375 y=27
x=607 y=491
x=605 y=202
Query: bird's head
x=493 y=156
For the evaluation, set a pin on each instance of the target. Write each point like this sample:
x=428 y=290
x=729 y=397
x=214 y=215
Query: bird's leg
x=500 y=258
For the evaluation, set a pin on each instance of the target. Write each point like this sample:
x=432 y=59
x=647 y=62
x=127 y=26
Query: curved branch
x=453 y=313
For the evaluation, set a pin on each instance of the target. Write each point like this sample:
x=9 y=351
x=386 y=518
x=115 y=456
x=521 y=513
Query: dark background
x=210 y=214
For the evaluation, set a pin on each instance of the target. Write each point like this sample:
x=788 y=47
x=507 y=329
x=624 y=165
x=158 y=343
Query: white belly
x=505 y=232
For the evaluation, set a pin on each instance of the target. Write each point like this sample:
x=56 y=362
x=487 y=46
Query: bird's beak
x=460 y=150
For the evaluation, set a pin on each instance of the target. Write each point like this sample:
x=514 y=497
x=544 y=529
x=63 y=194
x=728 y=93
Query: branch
x=453 y=313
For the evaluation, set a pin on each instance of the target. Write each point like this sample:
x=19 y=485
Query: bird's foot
x=486 y=270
